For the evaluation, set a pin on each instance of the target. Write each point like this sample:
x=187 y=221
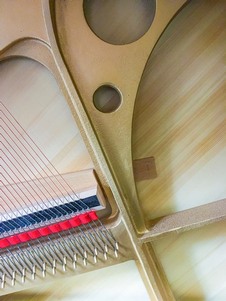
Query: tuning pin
x=105 y=256
x=64 y=263
x=116 y=253
x=106 y=248
x=75 y=261
x=95 y=251
x=95 y=259
x=54 y=266
x=13 y=278
x=54 y=263
x=3 y=281
x=116 y=246
x=74 y=265
x=44 y=270
x=65 y=260
x=84 y=261
x=75 y=257
x=85 y=254
x=23 y=275
x=33 y=272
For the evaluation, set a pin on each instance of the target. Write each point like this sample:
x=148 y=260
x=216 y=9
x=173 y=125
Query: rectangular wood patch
x=144 y=169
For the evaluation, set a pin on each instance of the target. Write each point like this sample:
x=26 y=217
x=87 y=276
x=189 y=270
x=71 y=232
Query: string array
x=43 y=221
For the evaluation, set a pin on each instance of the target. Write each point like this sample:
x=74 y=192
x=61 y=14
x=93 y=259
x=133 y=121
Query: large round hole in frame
x=119 y=22
x=107 y=99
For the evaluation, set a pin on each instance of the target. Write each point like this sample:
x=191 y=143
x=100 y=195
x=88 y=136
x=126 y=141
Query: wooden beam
x=186 y=220
x=83 y=183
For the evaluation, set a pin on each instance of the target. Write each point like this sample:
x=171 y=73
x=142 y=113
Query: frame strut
x=186 y=220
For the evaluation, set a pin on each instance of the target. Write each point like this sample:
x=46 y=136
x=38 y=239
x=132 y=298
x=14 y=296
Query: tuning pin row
x=40 y=263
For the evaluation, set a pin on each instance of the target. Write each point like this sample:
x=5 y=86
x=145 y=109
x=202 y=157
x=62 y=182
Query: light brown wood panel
x=180 y=112
x=195 y=263
x=31 y=94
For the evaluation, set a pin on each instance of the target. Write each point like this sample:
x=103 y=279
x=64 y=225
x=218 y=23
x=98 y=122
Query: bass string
x=82 y=233
x=38 y=153
x=31 y=164
x=109 y=234
x=23 y=275
x=58 y=196
x=29 y=228
x=29 y=191
x=31 y=187
x=89 y=239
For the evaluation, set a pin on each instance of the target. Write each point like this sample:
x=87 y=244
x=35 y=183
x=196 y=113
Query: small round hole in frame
x=107 y=99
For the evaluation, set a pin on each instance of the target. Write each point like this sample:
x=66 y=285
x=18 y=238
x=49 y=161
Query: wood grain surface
x=31 y=94
x=180 y=120
x=195 y=263
x=180 y=113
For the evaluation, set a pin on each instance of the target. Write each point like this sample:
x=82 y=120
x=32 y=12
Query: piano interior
x=125 y=101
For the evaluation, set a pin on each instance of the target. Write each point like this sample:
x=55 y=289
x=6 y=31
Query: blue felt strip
x=48 y=214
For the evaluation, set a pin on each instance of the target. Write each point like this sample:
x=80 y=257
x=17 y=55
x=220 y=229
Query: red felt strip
x=4 y=243
x=45 y=231
x=93 y=215
x=54 y=228
x=13 y=240
x=34 y=234
x=65 y=225
x=23 y=237
x=73 y=222
x=84 y=218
